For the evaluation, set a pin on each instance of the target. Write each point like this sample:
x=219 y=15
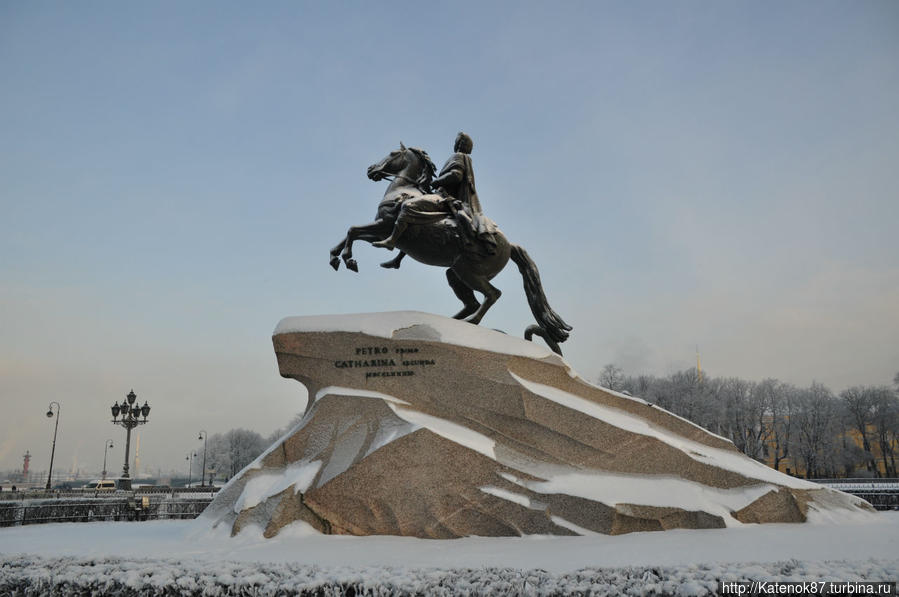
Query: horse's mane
x=427 y=172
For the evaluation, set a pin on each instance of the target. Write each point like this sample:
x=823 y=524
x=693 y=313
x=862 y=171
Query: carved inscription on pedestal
x=380 y=361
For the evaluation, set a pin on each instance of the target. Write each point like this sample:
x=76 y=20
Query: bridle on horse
x=392 y=177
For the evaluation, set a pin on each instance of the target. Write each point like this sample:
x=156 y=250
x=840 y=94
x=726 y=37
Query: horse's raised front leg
x=481 y=284
x=369 y=232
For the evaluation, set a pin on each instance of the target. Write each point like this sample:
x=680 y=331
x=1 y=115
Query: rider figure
x=457 y=196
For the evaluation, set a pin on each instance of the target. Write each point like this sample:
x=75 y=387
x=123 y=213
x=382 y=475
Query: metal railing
x=124 y=507
x=883 y=494
x=872 y=483
x=38 y=494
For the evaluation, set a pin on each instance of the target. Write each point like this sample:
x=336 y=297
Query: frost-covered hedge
x=25 y=575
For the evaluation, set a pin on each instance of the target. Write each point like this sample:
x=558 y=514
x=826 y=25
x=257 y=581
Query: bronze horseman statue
x=448 y=229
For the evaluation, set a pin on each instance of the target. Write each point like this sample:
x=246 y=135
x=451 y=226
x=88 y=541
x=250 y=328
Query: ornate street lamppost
x=55 y=429
x=202 y=436
x=129 y=421
x=106 y=445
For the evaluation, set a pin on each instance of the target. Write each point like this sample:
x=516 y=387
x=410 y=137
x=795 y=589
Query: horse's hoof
x=390 y=265
x=352 y=266
x=335 y=263
x=465 y=313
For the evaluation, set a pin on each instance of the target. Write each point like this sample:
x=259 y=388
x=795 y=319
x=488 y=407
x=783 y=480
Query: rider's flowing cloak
x=466 y=192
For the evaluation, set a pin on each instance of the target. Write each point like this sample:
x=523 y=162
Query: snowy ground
x=187 y=556
x=192 y=539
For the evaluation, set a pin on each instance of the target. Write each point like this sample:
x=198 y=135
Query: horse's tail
x=550 y=326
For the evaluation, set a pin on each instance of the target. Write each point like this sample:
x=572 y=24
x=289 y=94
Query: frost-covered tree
x=815 y=436
x=780 y=403
x=639 y=385
x=744 y=410
x=885 y=419
x=684 y=393
x=859 y=404
x=612 y=377
x=229 y=452
x=279 y=433
x=777 y=422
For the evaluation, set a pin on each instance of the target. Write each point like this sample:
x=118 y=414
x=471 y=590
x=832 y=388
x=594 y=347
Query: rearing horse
x=470 y=267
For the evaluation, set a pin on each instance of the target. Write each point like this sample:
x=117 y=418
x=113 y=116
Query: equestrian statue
x=447 y=228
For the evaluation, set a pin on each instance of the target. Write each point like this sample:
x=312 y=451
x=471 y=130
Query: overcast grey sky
x=172 y=176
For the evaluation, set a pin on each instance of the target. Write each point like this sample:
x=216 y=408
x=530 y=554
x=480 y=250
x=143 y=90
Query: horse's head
x=409 y=163
x=392 y=164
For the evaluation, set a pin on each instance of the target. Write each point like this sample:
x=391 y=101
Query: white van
x=101 y=485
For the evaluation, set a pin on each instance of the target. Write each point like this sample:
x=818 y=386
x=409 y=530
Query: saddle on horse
x=476 y=231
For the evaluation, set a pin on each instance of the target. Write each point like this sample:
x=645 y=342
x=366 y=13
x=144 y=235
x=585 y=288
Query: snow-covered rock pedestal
x=425 y=426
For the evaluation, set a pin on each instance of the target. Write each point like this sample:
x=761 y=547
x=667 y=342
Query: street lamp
x=130 y=419
x=106 y=445
x=202 y=436
x=190 y=466
x=55 y=429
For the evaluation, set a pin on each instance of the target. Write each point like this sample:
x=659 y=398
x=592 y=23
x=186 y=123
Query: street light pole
x=53 y=450
x=106 y=445
x=130 y=419
x=202 y=436
x=190 y=466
